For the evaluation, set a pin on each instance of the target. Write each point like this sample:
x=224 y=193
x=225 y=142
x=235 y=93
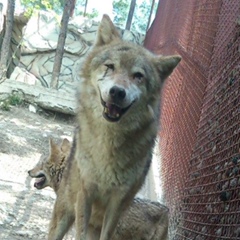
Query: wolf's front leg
x=62 y=220
x=83 y=213
x=116 y=206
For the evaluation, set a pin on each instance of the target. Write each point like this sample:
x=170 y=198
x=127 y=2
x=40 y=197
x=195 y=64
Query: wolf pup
x=143 y=220
x=49 y=170
x=119 y=106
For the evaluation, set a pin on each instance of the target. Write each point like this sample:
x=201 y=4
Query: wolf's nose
x=117 y=93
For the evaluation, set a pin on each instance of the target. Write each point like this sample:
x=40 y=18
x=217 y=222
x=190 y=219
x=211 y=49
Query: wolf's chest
x=103 y=169
x=109 y=166
x=111 y=158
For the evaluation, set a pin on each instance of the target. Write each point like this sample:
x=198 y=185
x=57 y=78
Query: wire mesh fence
x=200 y=122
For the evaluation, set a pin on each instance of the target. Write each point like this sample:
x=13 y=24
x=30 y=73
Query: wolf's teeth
x=117 y=115
x=106 y=110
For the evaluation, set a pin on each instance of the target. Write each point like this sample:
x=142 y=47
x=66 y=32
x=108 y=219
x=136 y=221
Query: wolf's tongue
x=39 y=181
x=113 y=110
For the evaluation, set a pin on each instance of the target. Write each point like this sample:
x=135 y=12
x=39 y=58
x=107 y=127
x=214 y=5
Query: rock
x=219 y=232
x=55 y=100
x=22 y=75
x=32 y=108
x=233 y=182
x=225 y=196
x=24 y=233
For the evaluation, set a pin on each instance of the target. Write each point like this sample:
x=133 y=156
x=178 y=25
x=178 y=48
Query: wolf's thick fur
x=119 y=101
x=144 y=220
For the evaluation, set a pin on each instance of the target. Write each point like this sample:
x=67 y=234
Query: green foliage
x=5 y=106
x=13 y=100
x=93 y=14
x=120 y=10
x=79 y=10
x=31 y=5
x=140 y=17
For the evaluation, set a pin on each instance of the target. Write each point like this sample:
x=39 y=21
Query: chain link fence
x=200 y=123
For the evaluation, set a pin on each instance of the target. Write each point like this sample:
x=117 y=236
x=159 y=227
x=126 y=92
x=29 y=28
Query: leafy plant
x=5 y=106
x=140 y=16
x=13 y=100
x=31 y=5
x=120 y=10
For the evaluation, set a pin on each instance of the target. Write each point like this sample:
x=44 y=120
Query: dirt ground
x=24 y=211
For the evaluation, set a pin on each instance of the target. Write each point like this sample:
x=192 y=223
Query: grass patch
x=15 y=100
x=12 y=100
x=5 y=106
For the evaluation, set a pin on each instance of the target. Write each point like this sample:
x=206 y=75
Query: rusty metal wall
x=200 y=121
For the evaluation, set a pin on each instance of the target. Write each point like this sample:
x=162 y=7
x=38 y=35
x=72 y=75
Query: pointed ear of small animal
x=54 y=149
x=107 y=32
x=166 y=64
x=65 y=145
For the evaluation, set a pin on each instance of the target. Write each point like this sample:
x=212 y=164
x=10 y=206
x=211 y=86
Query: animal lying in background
x=143 y=220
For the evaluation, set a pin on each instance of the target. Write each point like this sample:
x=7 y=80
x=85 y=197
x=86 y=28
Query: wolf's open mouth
x=112 y=112
x=40 y=180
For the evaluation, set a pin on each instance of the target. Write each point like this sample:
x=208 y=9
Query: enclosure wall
x=200 y=121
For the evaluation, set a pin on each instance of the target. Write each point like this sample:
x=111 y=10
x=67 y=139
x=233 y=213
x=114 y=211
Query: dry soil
x=24 y=211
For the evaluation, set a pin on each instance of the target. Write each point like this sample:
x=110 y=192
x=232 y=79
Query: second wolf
x=119 y=106
x=143 y=220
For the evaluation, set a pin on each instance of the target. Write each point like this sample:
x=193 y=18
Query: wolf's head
x=48 y=171
x=125 y=75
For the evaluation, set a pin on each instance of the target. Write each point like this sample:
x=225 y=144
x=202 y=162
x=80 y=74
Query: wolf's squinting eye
x=139 y=76
x=110 y=66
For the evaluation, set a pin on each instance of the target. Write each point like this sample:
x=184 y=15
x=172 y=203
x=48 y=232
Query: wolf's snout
x=117 y=104
x=117 y=94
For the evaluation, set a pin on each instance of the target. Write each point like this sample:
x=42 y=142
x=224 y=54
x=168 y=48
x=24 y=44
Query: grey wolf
x=144 y=220
x=118 y=118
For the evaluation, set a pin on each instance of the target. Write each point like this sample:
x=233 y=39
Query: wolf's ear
x=65 y=145
x=107 y=32
x=166 y=64
x=54 y=149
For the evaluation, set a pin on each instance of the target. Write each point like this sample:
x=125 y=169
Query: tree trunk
x=150 y=15
x=85 y=8
x=130 y=14
x=61 y=42
x=72 y=8
x=5 y=48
